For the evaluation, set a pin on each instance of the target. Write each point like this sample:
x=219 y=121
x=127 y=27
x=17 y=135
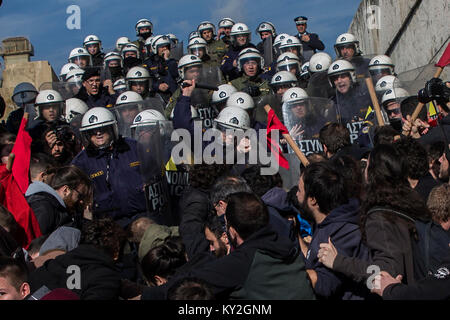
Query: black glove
x=252 y=91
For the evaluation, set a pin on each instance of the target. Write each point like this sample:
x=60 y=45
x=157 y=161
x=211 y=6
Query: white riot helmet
x=143 y=23
x=120 y=85
x=242 y=100
x=206 y=25
x=98 y=119
x=75 y=76
x=232 y=118
x=121 y=42
x=194 y=34
x=394 y=94
x=304 y=73
x=128 y=97
x=386 y=82
x=240 y=29
x=250 y=55
x=65 y=69
x=283 y=79
x=226 y=23
x=130 y=47
x=294 y=95
x=80 y=57
x=92 y=39
x=288 y=61
x=346 y=39
x=113 y=56
x=188 y=61
x=196 y=45
x=47 y=98
x=173 y=38
x=289 y=43
x=74 y=107
x=147 y=118
x=279 y=38
x=224 y=92
x=320 y=61
x=267 y=27
x=339 y=67
x=160 y=41
x=381 y=64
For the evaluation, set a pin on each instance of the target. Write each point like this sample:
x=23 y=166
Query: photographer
x=62 y=144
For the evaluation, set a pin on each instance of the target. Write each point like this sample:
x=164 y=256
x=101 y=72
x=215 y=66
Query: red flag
x=13 y=199
x=22 y=153
x=273 y=123
x=445 y=59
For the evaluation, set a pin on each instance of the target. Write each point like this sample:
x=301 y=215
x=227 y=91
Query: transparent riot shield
x=126 y=112
x=273 y=100
x=151 y=154
x=354 y=106
x=201 y=98
x=319 y=86
x=176 y=51
x=67 y=90
x=361 y=64
x=268 y=51
x=305 y=118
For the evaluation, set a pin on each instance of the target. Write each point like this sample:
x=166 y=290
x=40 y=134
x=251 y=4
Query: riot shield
x=67 y=90
x=268 y=51
x=305 y=118
x=151 y=155
x=176 y=51
x=126 y=112
x=273 y=100
x=201 y=98
x=354 y=107
x=319 y=86
x=361 y=64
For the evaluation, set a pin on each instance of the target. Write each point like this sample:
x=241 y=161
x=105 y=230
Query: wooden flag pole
x=375 y=103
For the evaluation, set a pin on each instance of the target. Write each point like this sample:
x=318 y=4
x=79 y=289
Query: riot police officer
x=216 y=48
x=93 y=45
x=111 y=162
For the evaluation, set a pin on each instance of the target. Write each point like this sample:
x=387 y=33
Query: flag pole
x=300 y=155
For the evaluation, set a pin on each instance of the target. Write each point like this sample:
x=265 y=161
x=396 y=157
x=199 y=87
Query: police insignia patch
x=93 y=119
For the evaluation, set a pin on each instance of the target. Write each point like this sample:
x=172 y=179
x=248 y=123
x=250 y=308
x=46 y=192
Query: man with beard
x=323 y=198
x=57 y=200
x=217 y=236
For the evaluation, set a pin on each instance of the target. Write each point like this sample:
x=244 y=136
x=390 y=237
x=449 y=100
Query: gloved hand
x=252 y=91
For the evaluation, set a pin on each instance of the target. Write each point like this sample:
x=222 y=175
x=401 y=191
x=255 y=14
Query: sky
x=44 y=22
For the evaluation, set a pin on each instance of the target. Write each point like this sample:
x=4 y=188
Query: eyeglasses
x=393 y=111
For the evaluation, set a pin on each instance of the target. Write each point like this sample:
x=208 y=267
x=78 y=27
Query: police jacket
x=118 y=186
x=97 y=59
x=310 y=47
x=162 y=71
x=101 y=99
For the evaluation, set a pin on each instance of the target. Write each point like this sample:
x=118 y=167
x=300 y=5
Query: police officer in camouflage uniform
x=216 y=48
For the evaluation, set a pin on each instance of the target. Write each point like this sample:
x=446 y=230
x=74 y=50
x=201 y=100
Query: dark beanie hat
x=89 y=73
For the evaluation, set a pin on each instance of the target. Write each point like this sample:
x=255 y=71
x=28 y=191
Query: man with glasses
x=60 y=199
x=94 y=93
x=112 y=163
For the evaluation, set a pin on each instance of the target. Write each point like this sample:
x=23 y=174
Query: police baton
x=420 y=105
x=300 y=155
x=375 y=103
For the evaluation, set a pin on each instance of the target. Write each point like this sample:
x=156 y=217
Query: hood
x=268 y=241
x=278 y=199
x=63 y=238
x=39 y=186
x=347 y=213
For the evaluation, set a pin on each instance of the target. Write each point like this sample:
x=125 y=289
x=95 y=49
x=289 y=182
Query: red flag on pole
x=445 y=59
x=22 y=152
x=13 y=199
x=273 y=123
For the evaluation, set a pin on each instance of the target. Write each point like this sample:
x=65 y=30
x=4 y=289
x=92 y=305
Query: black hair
x=384 y=134
x=190 y=289
x=415 y=156
x=164 y=259
x=105 y=234
x=246 y=213
x=204 y=175
x=408 y=106
x=335 y=136
x=259 y=183
x=14 y=270
x=352 y=173
x=214 y=224
x=326 y=185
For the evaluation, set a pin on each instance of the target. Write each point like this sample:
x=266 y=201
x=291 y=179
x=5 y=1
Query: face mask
x=131 y=62
x=115 y=71
x=145 y=35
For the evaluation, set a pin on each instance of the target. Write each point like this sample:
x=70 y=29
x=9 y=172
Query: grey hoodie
x=39 y=186
x=63 y=238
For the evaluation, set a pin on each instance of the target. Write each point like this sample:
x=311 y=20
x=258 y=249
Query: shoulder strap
x=400 y=214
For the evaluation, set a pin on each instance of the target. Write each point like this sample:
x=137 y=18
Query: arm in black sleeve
x=315 y=42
